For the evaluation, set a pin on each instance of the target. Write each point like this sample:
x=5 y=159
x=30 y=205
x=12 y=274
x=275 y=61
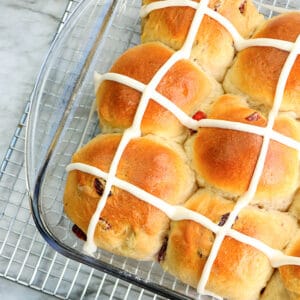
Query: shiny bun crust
x=256 y=70
x=184 y=84
x=225 y=159
x=128 y=226
x=162 y=25
x=239 y=271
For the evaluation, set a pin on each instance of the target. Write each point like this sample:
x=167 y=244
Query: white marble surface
x=26 y=31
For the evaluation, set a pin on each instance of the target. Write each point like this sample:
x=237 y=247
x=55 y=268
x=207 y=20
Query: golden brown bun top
x=149 y=162
x=256 y=70
x=128 y=226
x=184 y=84
x=239 y=271
x=213 y=49
x=225 y=159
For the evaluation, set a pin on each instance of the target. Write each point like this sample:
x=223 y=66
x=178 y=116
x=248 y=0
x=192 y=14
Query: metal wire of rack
x=25 y=258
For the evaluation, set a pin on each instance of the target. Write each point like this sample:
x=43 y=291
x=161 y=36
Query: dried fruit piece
x=105 y=224
x=99 y=185
x=223 y=219
x=242 y=7
x=199 y=115
x=78 y=232
x=201 y=254
x=253 y=117
x=162 y=252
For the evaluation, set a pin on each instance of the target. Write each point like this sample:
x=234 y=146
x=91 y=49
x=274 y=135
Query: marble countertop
x=27 y=28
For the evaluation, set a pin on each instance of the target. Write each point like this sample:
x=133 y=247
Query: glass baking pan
x=96 y=34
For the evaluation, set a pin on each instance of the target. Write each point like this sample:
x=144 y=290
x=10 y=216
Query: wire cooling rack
x=25 y=257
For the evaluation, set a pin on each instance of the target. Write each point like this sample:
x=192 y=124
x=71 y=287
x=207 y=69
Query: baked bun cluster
x=197 y=163
x=213 y=45
x=261 y=66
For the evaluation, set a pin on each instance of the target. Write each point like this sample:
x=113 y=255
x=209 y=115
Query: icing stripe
x=239 y=41
x=178 y=213
x=245 y=199
x=189 y=122
x=134 y=130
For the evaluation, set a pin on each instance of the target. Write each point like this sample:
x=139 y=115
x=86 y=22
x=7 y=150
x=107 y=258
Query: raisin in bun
x=239 y=271
x=184 y=84
x=213 y=47
x=225 y=159
x=128 y=226
x=256 y=70
x=285 y=283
